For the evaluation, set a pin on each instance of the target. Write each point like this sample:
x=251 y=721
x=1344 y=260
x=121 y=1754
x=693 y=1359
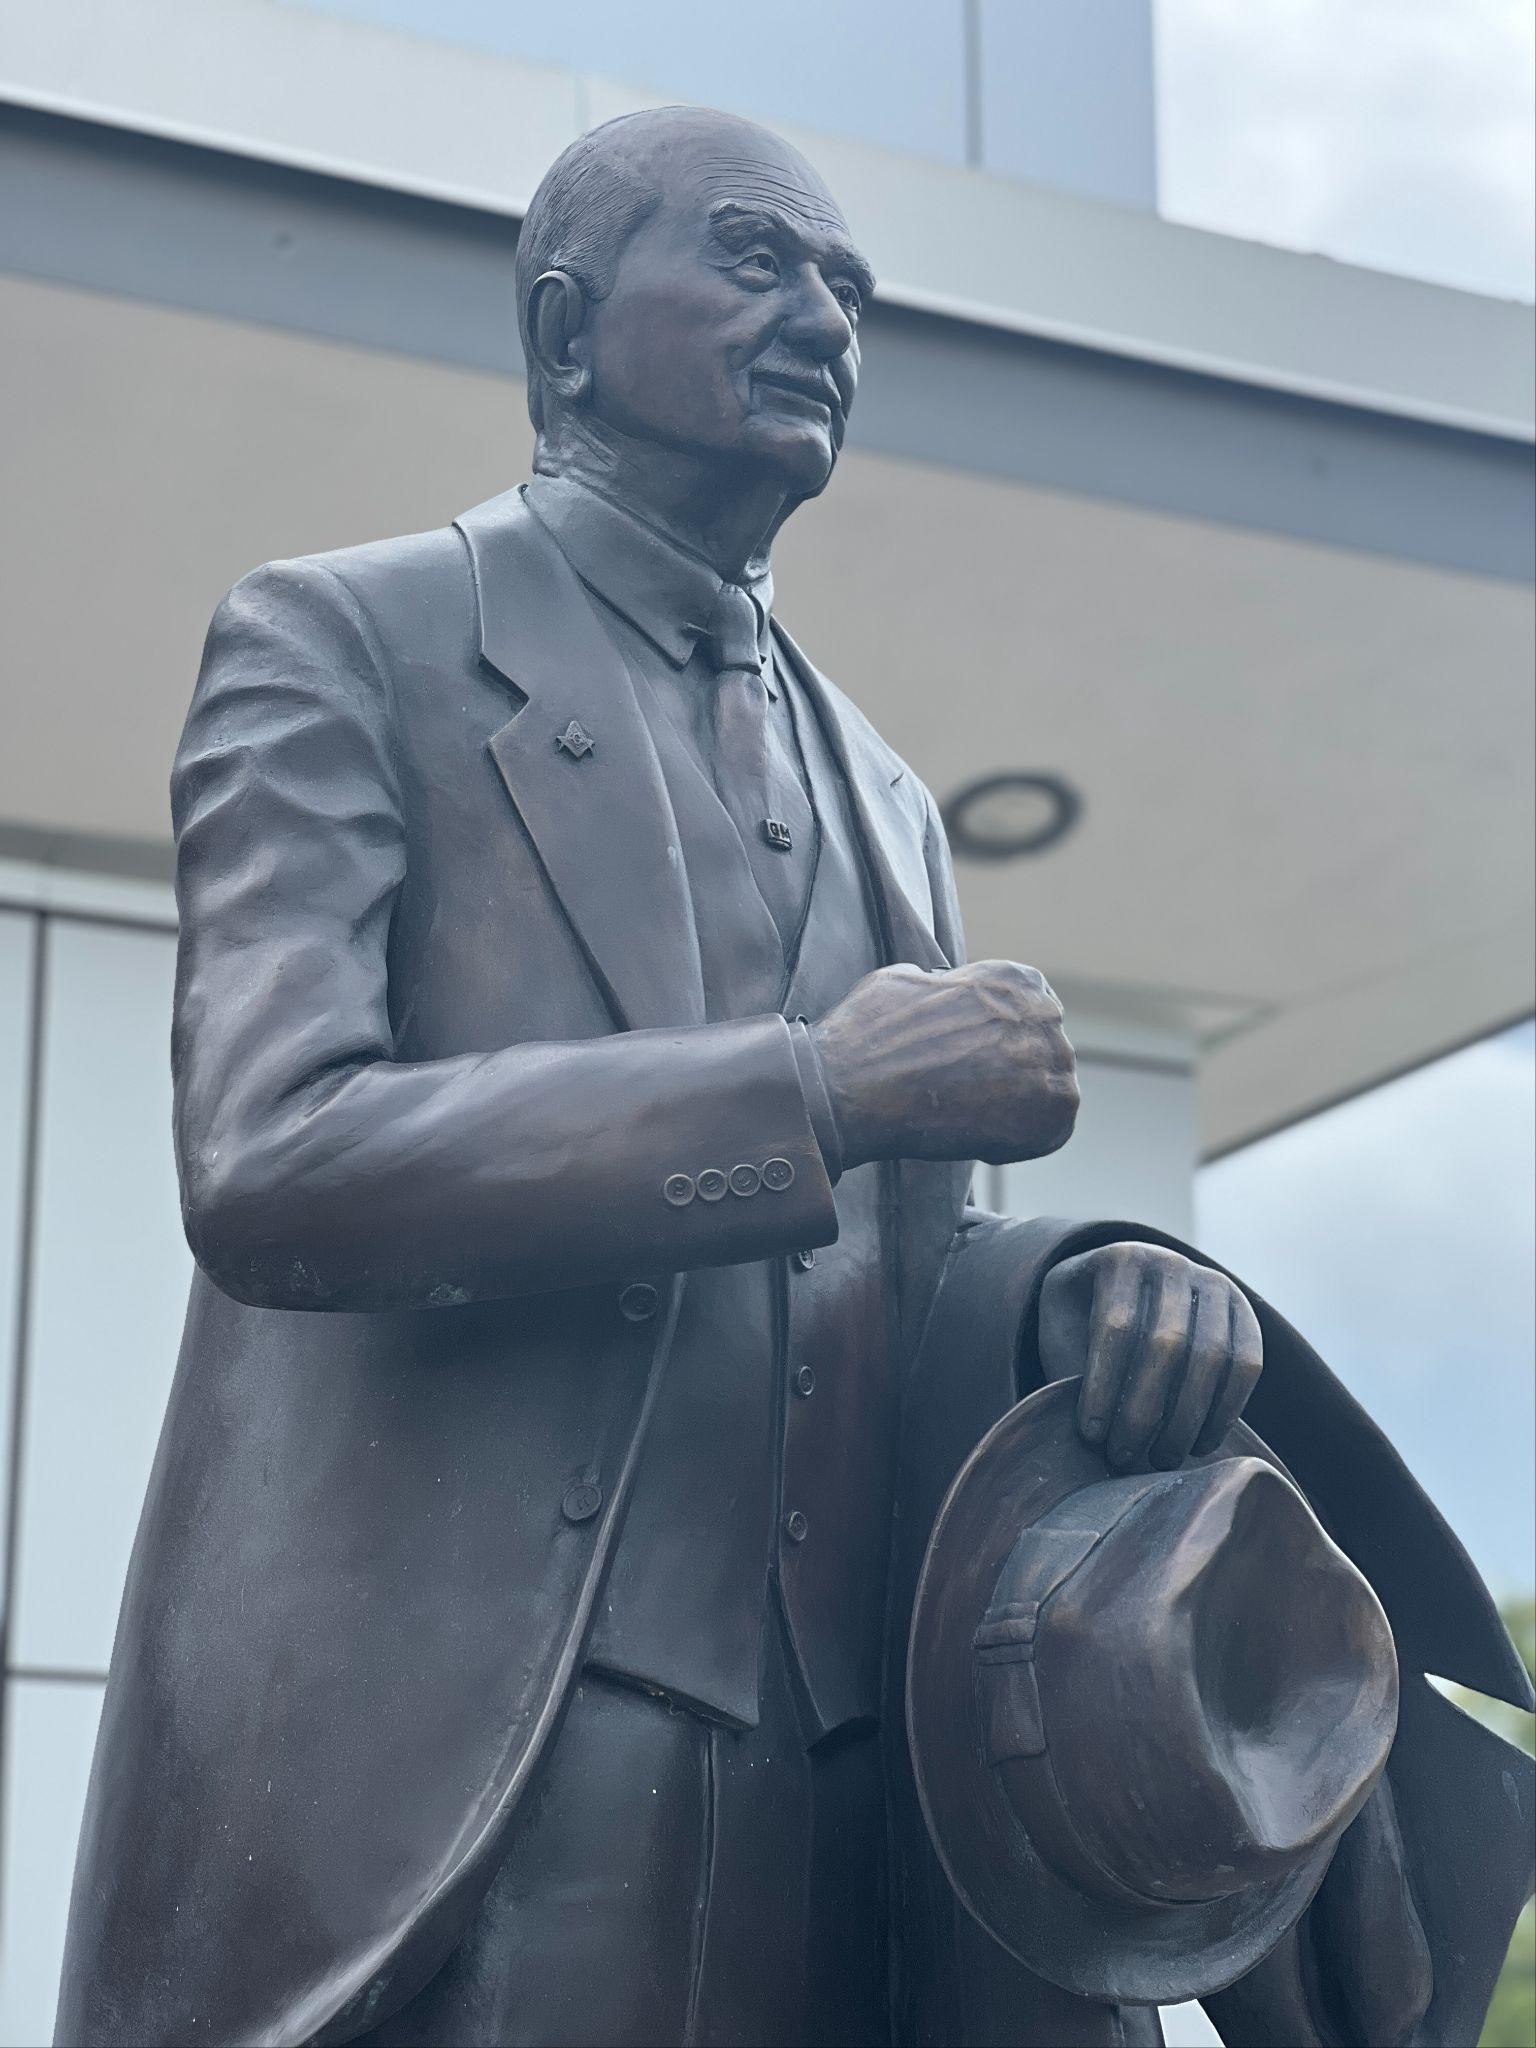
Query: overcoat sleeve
x=317 y=1171
x=1462 y=1799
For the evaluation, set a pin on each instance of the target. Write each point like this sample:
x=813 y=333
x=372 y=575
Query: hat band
x=1010 y=1718
x=1010 y=1722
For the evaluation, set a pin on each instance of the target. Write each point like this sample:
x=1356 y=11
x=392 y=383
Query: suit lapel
x=885 y=831
x=601 y=819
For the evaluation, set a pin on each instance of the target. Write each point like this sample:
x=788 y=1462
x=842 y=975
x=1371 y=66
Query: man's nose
x=816 y=324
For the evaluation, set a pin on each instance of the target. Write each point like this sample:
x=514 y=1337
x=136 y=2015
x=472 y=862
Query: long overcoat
x=439 y=1049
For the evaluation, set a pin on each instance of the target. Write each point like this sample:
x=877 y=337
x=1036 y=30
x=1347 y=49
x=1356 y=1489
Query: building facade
x=1230 y=547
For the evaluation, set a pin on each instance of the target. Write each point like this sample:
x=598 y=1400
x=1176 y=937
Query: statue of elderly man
x=548 y=1623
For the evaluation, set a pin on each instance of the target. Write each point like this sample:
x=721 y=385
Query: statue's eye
x=848 y=297
x=761 y=267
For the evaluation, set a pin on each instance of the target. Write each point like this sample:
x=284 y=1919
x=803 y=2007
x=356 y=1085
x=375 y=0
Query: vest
x=768 y=1472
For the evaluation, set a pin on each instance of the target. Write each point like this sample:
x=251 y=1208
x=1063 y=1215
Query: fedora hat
x=1142 y=1708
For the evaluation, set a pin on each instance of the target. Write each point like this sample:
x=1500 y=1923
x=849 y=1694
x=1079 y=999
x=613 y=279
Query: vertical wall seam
x=26 y=1246
x=971 y=29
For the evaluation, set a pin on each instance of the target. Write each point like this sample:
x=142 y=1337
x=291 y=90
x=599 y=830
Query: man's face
x=731 y=327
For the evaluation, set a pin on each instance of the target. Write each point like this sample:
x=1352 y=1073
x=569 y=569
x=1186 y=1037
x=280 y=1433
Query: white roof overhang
x=1274 y=625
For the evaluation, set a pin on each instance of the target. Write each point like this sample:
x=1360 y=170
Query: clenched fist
x=1168 y=1351
x=971 y=1063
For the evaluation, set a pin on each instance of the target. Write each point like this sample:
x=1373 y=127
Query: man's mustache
x=814 y=380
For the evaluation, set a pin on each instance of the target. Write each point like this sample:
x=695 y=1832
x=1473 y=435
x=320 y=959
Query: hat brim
x=1027 y=1464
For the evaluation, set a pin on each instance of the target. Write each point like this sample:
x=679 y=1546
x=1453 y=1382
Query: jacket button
x=777 y=1174
x=804 y=1259
x=745 y=1180
x=796 y=1527
x=678 y=1190
x=805 y=1381
x=712 y=1185
x=639 y=1302
x=582 y=1501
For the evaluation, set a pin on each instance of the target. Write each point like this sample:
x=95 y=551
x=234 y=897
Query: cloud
x=1398 y=1232
x=1399 y=134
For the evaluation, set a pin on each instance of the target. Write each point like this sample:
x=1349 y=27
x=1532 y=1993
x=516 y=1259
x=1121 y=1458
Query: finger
x=1155 y=1367
x=1111 y=1340
x=1066 y=1305
x=1205 y=1371
x=1246 y=1348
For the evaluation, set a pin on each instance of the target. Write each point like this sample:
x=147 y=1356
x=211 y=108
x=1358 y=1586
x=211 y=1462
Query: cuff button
x=745 y=1180
x=678 y=1189
x=777 y=1174
x=712 y=1185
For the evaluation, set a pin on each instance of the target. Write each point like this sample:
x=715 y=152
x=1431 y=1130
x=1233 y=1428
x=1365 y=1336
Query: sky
x=1398 y=1232
x=1394 y=133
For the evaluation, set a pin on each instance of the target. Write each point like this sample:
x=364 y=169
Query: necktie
x=741 y=713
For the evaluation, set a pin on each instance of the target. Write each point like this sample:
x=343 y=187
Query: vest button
x=777 y=1174
x=639 y=1302
x=582 y=1501
x=804 y=1259
x=796 y=1527
x=805 y=1381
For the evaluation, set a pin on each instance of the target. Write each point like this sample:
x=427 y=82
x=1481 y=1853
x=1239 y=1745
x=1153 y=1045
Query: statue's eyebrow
x=735 y=225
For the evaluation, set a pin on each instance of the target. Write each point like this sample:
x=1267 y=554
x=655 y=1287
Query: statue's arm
x=319 y=1172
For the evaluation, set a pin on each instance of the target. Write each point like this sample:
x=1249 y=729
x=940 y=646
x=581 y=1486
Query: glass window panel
x=50 y=1734
x=109 y=1286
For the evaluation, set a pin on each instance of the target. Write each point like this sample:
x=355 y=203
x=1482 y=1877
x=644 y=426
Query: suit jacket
x=443 y=1084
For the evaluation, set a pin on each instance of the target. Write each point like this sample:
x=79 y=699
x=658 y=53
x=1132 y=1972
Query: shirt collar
x=663 y=590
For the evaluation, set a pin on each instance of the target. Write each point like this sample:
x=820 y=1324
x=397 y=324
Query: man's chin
x=801 y=456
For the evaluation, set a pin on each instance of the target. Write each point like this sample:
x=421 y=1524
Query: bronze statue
x=577 y=1084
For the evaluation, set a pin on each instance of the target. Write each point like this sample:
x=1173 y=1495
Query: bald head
x=602 y=188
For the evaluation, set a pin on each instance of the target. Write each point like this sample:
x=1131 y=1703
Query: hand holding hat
x=1168 y=1351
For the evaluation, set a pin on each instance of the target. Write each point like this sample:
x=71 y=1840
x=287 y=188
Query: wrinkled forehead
x=779 y=181
x=712 y=161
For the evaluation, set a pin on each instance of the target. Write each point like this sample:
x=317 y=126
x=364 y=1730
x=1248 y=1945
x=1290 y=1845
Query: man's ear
x=557 y=306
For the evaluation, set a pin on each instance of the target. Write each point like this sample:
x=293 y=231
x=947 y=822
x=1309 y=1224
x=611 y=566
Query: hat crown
x=1231 y=1661
x=1141 y=1710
